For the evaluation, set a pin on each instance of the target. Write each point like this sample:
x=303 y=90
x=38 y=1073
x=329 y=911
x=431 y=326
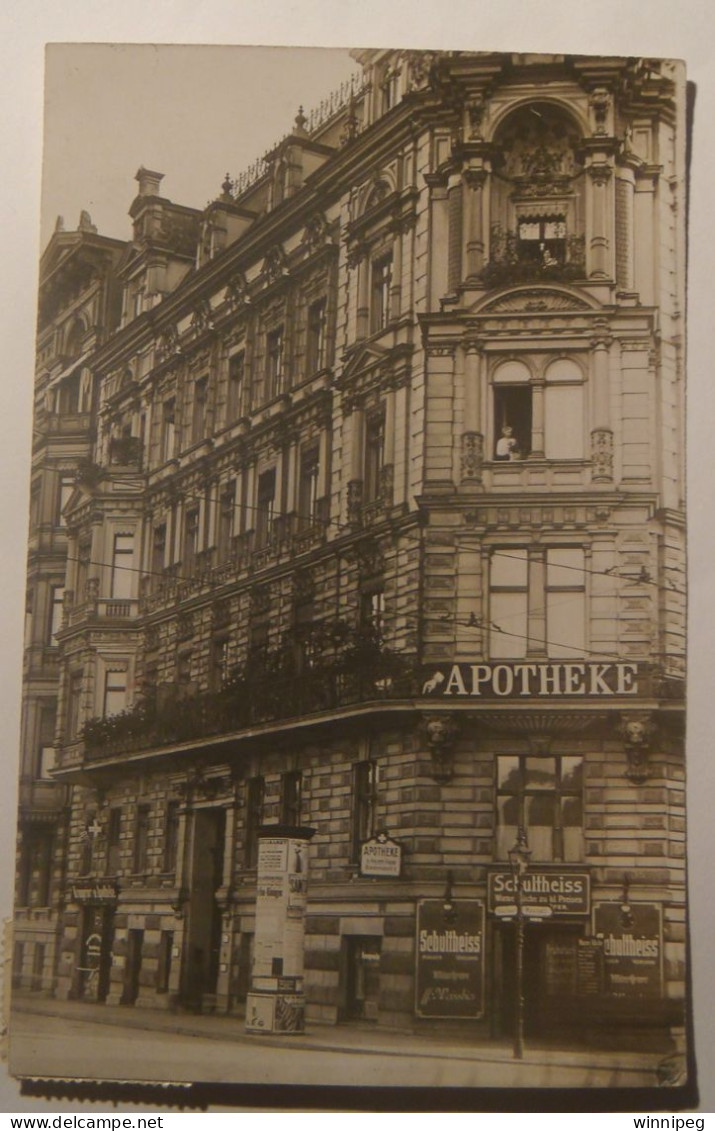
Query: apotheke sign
x=380 y=856
x=532 y=681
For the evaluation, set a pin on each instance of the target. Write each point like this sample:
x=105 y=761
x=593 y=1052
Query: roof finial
x=300 y=121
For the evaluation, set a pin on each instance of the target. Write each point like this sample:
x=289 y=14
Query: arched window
x=512 y=411
x=563 y=411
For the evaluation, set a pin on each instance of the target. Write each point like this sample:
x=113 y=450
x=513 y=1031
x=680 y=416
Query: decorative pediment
x=365 y=358
x=536 y=300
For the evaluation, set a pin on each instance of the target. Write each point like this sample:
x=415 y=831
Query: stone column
x=396 y=288
x=439 y=239
x=624 y=230
x=600 y=174
x=276 y=1001
x=601 y=433
x=472 y=454
x=474 y=183
x=362 y=324
x=644 y=233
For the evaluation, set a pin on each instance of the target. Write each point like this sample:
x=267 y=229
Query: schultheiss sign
x=565 y=893
x=450 y=959
x=532 y=680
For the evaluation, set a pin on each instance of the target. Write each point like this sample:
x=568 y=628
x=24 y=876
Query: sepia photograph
x=353 y=701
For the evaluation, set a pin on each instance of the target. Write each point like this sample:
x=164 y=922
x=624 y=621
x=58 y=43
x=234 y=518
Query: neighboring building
x=78 y=307
x=383 y=532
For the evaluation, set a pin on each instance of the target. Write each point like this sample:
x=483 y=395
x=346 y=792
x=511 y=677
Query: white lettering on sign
x=534 y=680
x=449 y=942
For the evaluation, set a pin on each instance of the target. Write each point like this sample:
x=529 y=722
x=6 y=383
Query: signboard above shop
x=544 y=893
x=563 y=680
x=380 y=856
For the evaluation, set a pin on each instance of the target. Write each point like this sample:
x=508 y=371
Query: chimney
x=149 y=182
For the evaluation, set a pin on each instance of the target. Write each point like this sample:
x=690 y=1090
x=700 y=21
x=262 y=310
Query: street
x=57 y=1046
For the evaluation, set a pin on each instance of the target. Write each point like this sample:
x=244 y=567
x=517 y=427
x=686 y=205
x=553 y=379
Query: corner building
x=382 y=534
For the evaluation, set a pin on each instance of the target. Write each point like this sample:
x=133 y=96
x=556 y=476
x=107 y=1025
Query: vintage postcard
x=354 y=686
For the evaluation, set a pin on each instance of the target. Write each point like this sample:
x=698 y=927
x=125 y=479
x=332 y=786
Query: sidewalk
x=628 y=1069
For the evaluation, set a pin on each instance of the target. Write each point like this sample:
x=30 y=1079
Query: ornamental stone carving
x=355 y=498
x=387 y=484
x=439 y=733
x=602 y=455
x=636 y=729
x=472 y=456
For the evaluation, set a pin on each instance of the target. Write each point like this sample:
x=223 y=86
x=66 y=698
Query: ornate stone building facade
x=381 y=533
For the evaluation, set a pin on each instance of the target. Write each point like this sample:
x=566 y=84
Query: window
x=141 y=838
x=291 y=797
x=87 y=835
x=115 y=692
x=543 y=616
x=198 y=420
x=512 y=411
x=308 y=488
x=372 y=611
x=265 y=507
x=122 y=573
x=168 y=430
x=163 y=969
x=380 y=293
x=158 y=548
x=68 y=400
x=374 y=455
x=274 y=363
x=114 y=828
x=563 y=411
x=508 y=603
x=227 y=506
x=219 y=663
x=544 y=796
x=67 y=483
x=183 y=669
x=542 y=239
x=171 y=836
x=46 y=750
x=74 y=704
x=365 y=779
x=84 y=554
x=315 y=345
x=236 y=375
x=57 y=597
x=35 y=875
x=191 y=541
x=255 y=795
x=565 y=602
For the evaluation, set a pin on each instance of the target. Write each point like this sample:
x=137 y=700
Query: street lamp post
x=519 y=856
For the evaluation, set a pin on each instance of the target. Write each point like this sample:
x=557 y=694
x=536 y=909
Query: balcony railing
x=512 y=262
x=258 y=695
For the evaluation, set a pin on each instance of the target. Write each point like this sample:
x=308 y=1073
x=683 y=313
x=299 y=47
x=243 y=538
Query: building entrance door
x=362 y=968
x=203 y=942
x=550 y=979
x=132 y=969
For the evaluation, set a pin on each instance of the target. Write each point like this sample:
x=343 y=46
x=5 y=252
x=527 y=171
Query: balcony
x=269 y=687
x=512 y=262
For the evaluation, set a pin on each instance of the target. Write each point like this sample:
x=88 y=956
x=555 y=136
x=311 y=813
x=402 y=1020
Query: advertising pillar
x=276 y=1001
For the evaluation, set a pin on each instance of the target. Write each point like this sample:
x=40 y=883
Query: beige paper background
x=627 y=27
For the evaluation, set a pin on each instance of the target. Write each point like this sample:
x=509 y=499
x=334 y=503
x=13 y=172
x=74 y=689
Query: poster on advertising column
x=632 y=948
x=449 y=978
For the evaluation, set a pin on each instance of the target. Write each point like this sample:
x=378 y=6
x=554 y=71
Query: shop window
x=291 y=792
x=171 y=836
x=114 y=829
x=381 y=284
x=265 y=507
x=141 y=838
x=274 y=363
x=122 y=573
x=308 y=487
x=315 y=343
x=57 y=598
x=198 y=419
x=365 y=782
x=38 y=964
x=544 y=796
x=158 y=548
x=374 y=455
x=236 y=379
x=115 y=692
x=163 y=969
x=542 y=239
x=255 y=798
x=168 y=430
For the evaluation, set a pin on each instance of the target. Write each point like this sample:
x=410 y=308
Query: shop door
x=203 y=949
x=362 y=977
x=132 y=969
x=549 y=980
x=96 y=957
